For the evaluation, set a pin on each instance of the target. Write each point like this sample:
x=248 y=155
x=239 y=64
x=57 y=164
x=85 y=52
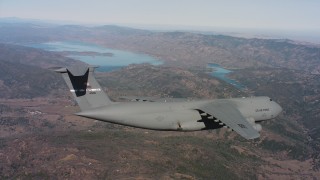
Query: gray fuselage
x=178 y=115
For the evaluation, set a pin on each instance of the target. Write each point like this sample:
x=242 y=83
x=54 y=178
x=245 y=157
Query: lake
x=221 y=73
x=112 y=59
x=96 y=55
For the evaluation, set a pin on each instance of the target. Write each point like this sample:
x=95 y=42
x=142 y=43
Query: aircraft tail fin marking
x=84 y=87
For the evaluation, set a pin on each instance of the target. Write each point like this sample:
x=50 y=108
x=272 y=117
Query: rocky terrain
x=40 y=138
x=299 y=91
x=177 y=48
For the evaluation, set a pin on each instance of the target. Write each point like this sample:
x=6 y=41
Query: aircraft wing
x=228 y=114
x=135 y=98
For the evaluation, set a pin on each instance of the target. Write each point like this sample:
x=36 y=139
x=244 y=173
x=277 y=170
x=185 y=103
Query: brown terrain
x=40 y=138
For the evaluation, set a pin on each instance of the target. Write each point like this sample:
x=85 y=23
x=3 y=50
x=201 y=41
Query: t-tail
x=84 y=87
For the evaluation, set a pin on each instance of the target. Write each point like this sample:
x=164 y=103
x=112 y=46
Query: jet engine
x=256 y=126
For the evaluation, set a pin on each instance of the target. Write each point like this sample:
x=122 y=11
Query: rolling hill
x=40 y=138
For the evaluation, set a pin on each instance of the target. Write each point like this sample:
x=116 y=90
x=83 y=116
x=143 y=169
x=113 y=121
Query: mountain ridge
x=180 y=48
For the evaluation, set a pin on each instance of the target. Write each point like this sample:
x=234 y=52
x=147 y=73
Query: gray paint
x=238 y=114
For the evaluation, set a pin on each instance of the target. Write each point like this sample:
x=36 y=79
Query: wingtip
x=253 y=136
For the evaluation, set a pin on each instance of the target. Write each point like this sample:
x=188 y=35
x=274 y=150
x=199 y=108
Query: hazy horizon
x=273 y=14
x=296 y=35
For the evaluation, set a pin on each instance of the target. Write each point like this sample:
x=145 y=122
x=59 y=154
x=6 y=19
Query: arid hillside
x=41 y=138
x=177 y=48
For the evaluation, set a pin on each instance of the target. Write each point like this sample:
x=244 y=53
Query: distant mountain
x=24 y=73
x=12 y=20
x=15 y=20
x=285 y=146
x=32 y=56
x=25 y=81
x=177 y=48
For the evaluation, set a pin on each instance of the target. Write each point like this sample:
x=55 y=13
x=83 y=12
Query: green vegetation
x=294 y=151
x=49 y=125
x=37 y=175
x=274 y=146
x=2 y=143
x=189 y=155
x=206 y=159
x=279 y=69
x=12 y=121
x=92 y=136
x=280 y=128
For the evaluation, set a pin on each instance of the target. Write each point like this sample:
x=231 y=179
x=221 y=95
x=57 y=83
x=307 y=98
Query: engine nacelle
x=255 y=126
x=191 y=126
x=251 y=120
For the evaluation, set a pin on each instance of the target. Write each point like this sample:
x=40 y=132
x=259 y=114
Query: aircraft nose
x=278 y=109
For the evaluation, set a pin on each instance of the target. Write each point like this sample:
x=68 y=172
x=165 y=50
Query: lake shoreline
x=107 y=59
x=221 y=73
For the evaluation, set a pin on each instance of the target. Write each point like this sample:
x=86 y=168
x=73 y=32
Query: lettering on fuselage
x=242 y=126
x=262 y=110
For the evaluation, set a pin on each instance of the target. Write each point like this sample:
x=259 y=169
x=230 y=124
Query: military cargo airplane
x=238 y=114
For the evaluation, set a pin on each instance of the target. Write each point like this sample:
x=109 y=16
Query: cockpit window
x=270 y=99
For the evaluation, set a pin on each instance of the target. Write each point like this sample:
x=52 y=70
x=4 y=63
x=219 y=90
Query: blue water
x=222 y=73
x=107 y=63
x=119 y=59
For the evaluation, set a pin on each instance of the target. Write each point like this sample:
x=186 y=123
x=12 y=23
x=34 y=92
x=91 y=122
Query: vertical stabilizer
x=84 y=87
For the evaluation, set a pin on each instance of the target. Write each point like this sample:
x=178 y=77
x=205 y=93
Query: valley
x=40 y=137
